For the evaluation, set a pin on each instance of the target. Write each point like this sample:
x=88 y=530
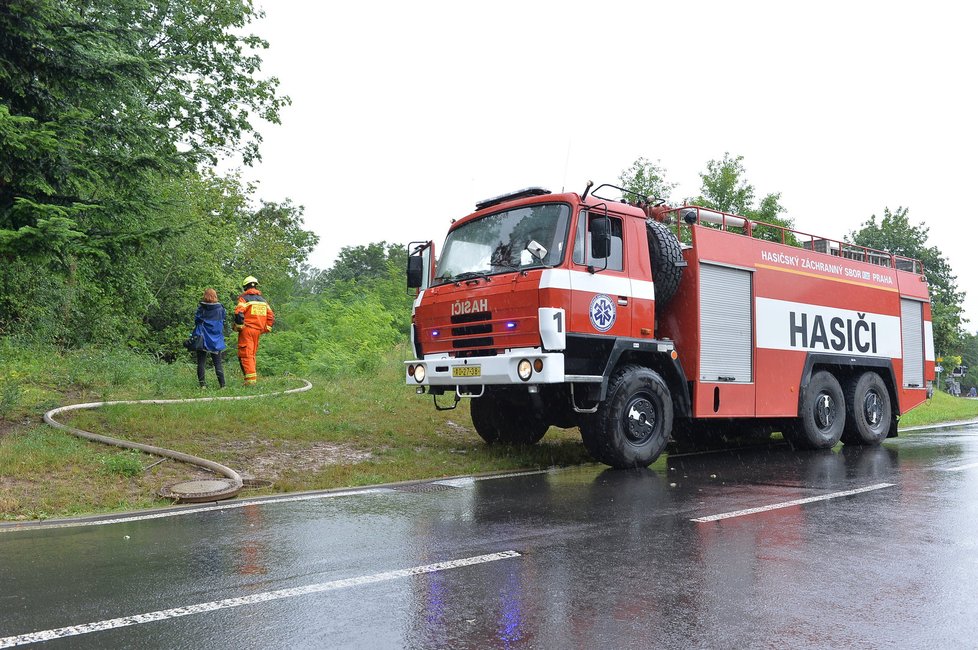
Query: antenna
x=563 y=185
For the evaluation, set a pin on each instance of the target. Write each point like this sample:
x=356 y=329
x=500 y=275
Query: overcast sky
x=405 y=114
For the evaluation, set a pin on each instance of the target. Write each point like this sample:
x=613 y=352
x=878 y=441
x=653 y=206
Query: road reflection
x=252 y=560
x=616 y=553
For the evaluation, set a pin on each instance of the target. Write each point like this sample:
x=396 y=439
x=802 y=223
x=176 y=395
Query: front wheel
x=632 y=425
x=822 y=415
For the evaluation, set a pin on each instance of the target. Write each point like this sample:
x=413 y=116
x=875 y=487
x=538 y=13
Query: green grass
x=125 y=464
x=347 y=431
x=942 y=408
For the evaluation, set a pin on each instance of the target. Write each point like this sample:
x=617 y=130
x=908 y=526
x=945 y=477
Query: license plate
x=467 y=371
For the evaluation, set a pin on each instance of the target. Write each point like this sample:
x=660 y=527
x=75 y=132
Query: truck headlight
x=524 y=369
x=419 y=373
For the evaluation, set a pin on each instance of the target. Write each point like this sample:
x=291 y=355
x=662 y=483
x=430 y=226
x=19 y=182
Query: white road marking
x=190 y=511
x=959 y=468
x=465 y=481
x=469 y=481
x=790 y=504
x=176 y=612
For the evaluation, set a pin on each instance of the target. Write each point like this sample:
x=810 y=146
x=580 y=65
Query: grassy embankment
x=348 y=431
x=942 y=408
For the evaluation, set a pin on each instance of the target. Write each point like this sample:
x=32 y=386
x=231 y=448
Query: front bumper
x=442 y=370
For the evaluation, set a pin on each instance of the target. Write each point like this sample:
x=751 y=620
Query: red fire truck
x=637 y=322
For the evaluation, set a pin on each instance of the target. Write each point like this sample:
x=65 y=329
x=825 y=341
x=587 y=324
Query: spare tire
x=667 y=261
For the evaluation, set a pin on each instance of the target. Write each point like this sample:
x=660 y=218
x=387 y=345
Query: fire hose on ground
x=207 y=490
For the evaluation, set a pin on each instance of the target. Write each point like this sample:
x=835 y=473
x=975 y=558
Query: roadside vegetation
x=353 y=430
x=942 y=408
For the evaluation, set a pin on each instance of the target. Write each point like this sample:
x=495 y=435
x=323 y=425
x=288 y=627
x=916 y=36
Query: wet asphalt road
x=585 y=558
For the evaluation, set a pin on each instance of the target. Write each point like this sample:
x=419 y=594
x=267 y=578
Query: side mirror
x=415 y=272
x=600 y=228
x=536 y=249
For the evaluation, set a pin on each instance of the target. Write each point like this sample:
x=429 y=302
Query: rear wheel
x=868 y=410
x=632 y=425
x=822 y=416
x=507 y=419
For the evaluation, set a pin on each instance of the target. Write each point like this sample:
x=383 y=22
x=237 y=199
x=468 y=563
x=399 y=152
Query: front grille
x=474 y=317
x=469 y=333
x=472 y=329
x=480 y=334
x=480 y=342
x=464 y=354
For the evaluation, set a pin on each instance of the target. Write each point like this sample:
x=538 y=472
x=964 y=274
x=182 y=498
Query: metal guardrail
x=692 y=214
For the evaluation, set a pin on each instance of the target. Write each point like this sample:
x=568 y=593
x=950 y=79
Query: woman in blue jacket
x=209 y=324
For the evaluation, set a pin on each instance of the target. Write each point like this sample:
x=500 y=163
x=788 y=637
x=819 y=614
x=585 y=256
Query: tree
x=99 y=95
x=895 y=234
x=378 y=270
x=969 y=357
x=725 y=188
x=107 y=107
x=359 y=310
x=272 y=245
x=365 y=262
x=646 y=178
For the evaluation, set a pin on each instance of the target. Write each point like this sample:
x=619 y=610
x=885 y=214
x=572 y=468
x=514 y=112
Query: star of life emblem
x=602 y=312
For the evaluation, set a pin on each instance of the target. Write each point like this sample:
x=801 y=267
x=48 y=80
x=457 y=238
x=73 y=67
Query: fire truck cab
x=638 y=323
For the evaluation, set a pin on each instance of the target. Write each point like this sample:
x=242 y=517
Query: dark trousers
x=218 y=366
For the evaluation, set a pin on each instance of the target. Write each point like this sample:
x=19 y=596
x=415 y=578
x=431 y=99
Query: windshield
x=502 y=242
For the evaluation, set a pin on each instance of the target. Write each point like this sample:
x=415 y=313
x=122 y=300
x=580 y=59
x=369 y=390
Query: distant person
x=209 y=324
x=973 y=392
x=252 y=317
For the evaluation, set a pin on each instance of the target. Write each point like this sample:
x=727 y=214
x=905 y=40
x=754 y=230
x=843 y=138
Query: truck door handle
x=622 y=301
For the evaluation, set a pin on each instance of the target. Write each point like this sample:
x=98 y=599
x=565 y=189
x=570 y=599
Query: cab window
x=582 y=243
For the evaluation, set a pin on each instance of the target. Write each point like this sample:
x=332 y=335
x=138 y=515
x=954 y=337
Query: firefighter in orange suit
x=252 y=317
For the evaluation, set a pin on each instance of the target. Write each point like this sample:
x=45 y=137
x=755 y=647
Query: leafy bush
x=330 y=337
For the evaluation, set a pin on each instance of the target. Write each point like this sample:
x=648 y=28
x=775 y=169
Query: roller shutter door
x=725 y=324
x=912 y=324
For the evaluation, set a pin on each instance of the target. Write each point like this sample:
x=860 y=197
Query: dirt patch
x=8 y=427
x=267 y=460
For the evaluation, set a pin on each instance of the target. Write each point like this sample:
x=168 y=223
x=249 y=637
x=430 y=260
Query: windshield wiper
x=468 y=275
x=507 y=265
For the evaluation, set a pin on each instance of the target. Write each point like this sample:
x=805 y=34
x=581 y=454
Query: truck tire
x=632 y=425
x=665 y=252
x=868 y=410
x=499 y=419
x=822 y=414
